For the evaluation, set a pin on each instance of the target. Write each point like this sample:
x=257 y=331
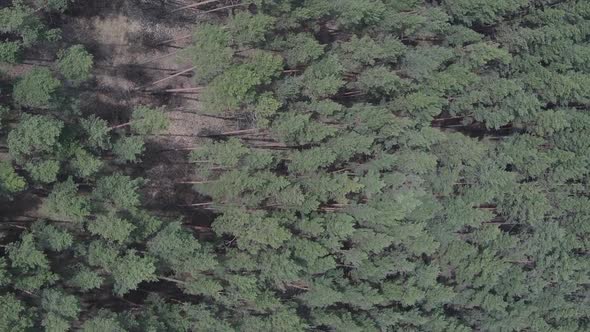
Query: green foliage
x=85 y=279
x=10 y=51
x=174 y=244
x=246 y=28
x=13 y=314
x=25 y=255
x=10 y=182
x=482 y=12
x=356 y=13
x=230 y=90
x=228 y=153
x=43 y=171
x=118 y=190
x=358 y=52
x=51 y=237
x=111 y=228
x=301 y=49
x=145 y=120
x=34 y=134
x=253 y=230
x=30 y=264
x=97 y=131
x=22 y=21
x=312 y=159
x=37 y=88
x=323 y=78
x=129 y=148
x=264 y=65
x=101 y=253
x=421 y=62
x=64 y=201
x=211 y=52
x=54 y=5
x=60 y=309
x=85 y=164
x=130 y=270
x=379 y=81
x=53 y=322
x=412 y=166
x=295 y=128
x=60 y=303
x=266 y=106
x=75 y=63
x=103 y=322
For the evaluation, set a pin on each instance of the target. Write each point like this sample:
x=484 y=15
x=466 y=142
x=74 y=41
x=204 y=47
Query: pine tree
x=10 y=51
x=130 y=270
x=14 y=316
x=29 y=264
x=36 y=88
x=111 y=228
x=247 y=29
x=85 y=279
x=211 y=52
x=414 y=166
x=59 y=310
x=65 y=202
x=118 y=191
x=129 y=148
x=75 y=63
x=145 y=120
x=33 y=136
x=97 y=132
x=10 y=182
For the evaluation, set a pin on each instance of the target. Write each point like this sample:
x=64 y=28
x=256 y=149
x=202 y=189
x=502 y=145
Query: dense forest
x=295 y=165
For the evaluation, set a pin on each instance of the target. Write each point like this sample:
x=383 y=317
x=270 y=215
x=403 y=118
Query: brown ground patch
x=122 y=35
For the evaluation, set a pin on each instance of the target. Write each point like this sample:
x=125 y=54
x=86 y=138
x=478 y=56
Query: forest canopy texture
x=402 y=165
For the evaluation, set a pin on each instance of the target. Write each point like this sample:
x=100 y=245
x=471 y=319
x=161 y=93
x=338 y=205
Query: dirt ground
x=123 y=36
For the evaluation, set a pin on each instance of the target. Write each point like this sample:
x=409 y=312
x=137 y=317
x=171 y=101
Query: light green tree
x=37 y=88
x=75 y=64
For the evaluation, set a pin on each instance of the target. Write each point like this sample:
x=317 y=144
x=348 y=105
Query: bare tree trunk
x=198 y=204
x=172 y=280
x=174 y=39
x=172 y=76
x=184 y=89
x=235 y=132
x=195 y=5
x=121 y=125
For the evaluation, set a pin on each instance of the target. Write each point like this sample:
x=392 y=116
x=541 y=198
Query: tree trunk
x=172 y=280
x=194 y=5
x=184 y=89
x=121 y=125
x=172 y=76
x=181 y=149
x=198 y=204
x=227 y=133
x=174 y=40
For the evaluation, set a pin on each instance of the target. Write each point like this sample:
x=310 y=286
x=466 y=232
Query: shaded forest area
x=294 y=165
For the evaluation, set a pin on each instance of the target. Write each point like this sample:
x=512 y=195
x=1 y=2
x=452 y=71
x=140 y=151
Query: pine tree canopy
x=289 y=165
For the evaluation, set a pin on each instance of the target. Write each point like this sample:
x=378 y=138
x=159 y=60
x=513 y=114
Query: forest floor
x=124 y=36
